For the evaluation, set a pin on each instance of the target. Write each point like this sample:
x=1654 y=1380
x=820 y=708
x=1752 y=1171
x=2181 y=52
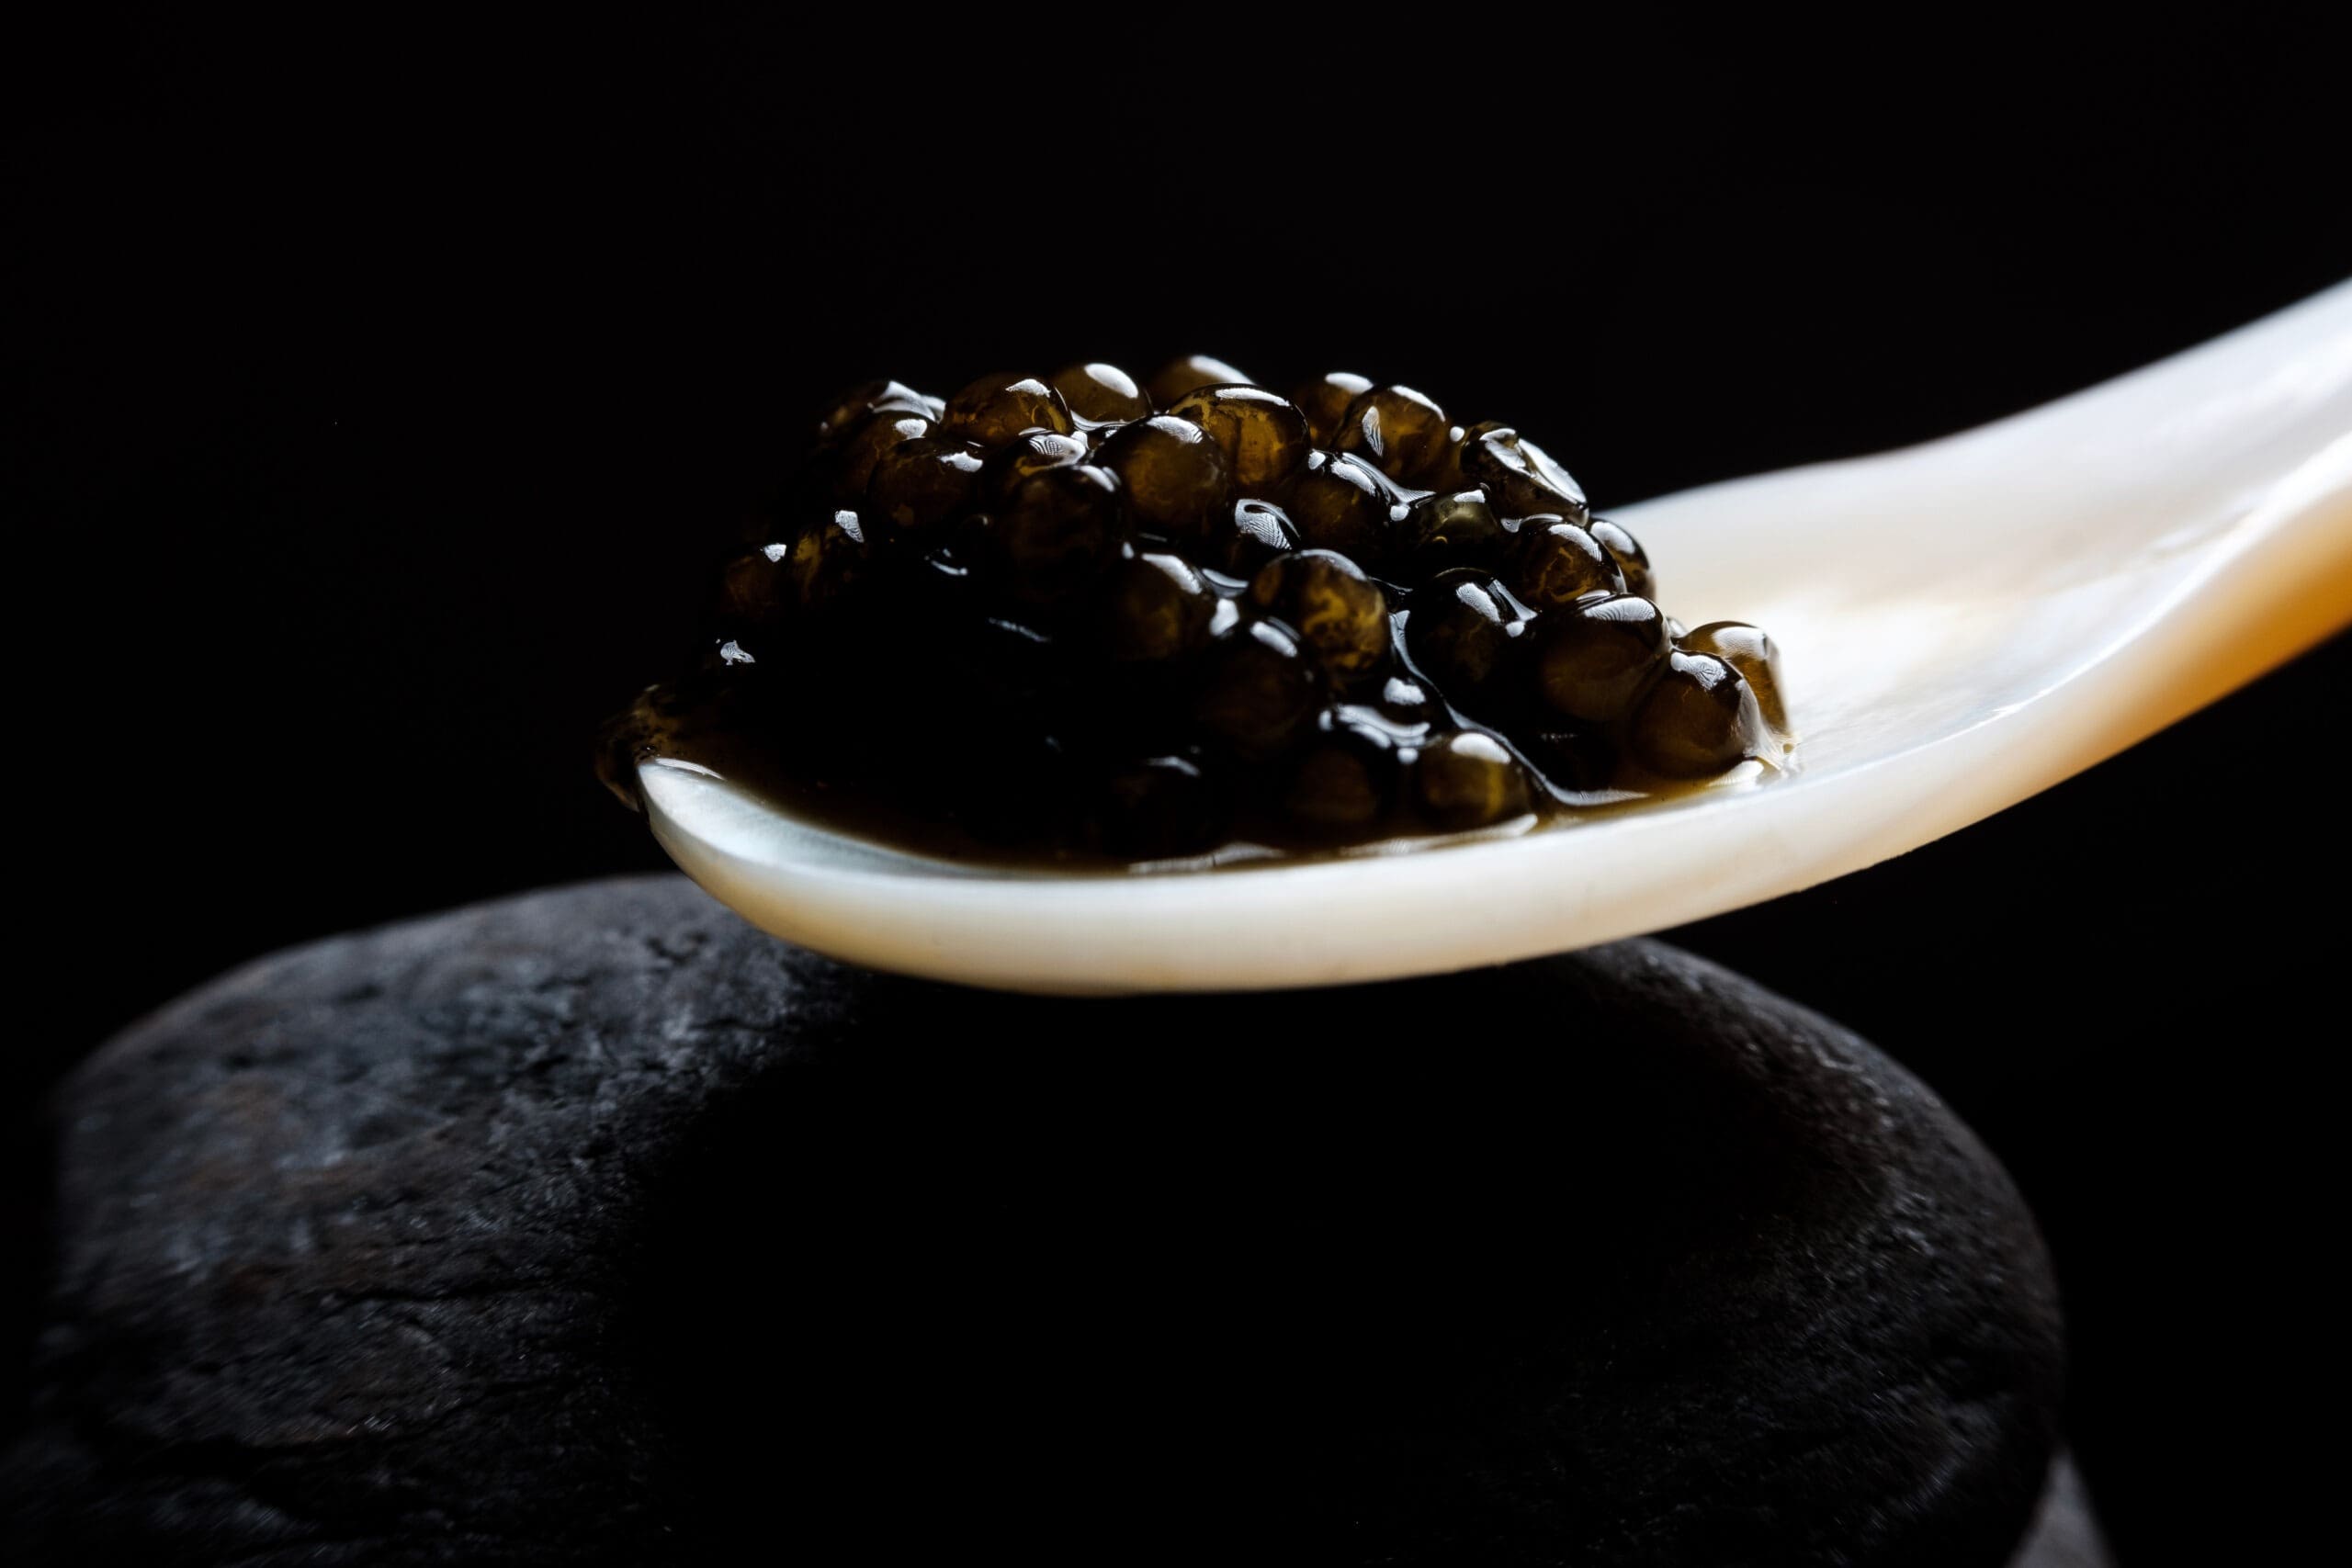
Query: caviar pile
x=1077 y=616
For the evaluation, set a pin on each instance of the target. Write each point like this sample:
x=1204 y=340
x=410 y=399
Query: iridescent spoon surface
x=1962 y=624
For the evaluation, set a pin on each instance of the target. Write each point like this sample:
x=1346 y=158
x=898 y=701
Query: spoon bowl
x=1962 y=624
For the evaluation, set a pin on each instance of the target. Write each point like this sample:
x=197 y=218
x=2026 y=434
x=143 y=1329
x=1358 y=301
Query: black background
x=372 y=399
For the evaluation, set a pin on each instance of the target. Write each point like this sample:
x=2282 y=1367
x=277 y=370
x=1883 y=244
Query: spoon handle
x=2229 y=449
x=2239 y=450
x=2210 y=431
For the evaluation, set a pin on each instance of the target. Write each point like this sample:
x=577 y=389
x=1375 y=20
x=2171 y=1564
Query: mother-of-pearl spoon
x=1962 y=624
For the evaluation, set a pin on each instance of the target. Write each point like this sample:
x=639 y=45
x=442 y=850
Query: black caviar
x=1096 y=616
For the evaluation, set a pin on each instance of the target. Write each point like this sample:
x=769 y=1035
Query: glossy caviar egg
x=1593 y=658
x=1445 y=472
x=993 y=409
x=1449 y=529
x=938 y=587
x=1468 y=779
x=1099 y=394
x=753 y=526
x=756 y=589
x=1025 y=786
x=1259 y=691
x=873 y=397
x=1260 y=532
x=1338 y=502
x=1700 y=719
x=1752 y=652
x=1555 y=562
x=1056 y=535
x=1031 y=452
x=1004 y=673
x=1189 y=374
x=1005 y=700
x=1323 y=400
x=1342 y=781
x=1578 y=758
x=867 y=444
x=1407 y=701
x=1326 y=599
x=1263 y=436
x=919 y=484
x=1463 y=631
x=1631 y=560
x=827 y=560
x=1155 y=607
x=1177 y=482
x=1396 y=430
x=1159 y=806
x=1518 y=475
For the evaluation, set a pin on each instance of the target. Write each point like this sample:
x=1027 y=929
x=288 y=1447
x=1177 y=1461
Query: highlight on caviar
x=1080 y=618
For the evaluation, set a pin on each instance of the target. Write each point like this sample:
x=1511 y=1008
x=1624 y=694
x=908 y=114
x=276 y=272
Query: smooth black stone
x=594 y=1227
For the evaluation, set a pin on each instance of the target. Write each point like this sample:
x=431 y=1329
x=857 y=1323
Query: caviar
x=1031 y=452
x=1518 y=475
x=1450 y=528
x=755 y=590
x=919 y=484
x=868 y=442
x=1554 y=563
x=1086 y=615
x=875 y=397
x=1338 y=502
x=1752 y=652
x=824 y=564
x=1698 y=719
x=1159 y=806
x=1465 y=631
x=1057 y=536
x=1467 y=779
x=1263 y=437
x=997 y=409
x=1331 y=603
x=1627 y=552
x=1101 y=394
x=1342 y=782
x=1175 y=478
x=1325 y=400
x=1260 y=690
x=1157 y=607
x=1595 y=657
x=1260 y=532
x=1396 y=430
x=1189 y=374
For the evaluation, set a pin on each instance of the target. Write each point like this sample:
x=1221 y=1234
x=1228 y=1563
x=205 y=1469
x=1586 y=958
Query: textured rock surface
x=593 y=1226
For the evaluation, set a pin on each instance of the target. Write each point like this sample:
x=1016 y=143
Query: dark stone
x=594 y=1227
